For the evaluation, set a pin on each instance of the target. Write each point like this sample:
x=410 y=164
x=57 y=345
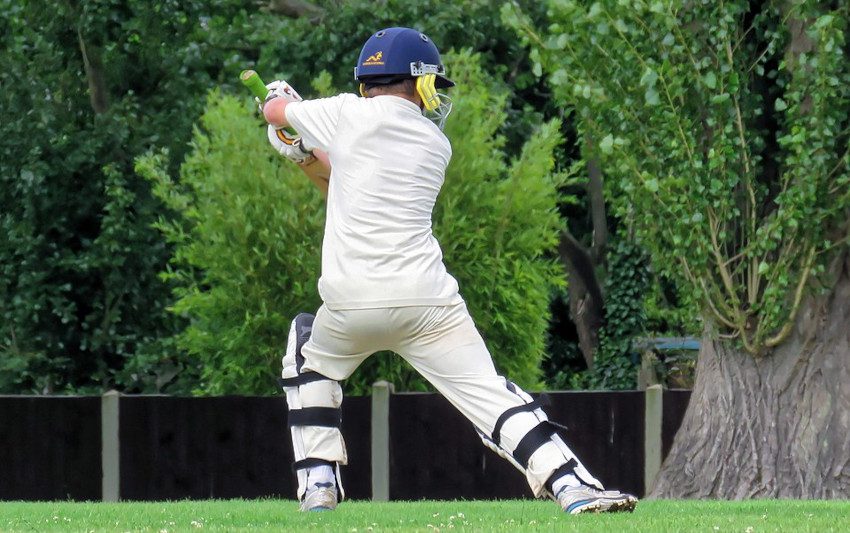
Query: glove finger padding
x=280 y=88
x=289 y=146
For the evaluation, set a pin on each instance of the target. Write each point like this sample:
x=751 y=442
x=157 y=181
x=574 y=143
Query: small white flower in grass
x=460 y=515
x=749 y=529
x=196 y=523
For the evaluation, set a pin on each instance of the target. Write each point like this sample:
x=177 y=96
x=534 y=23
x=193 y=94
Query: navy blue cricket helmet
x=396 y=53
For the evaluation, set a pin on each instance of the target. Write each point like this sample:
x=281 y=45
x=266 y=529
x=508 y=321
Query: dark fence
x=436 y=454
x=239 y=447
x=50 y=448
x=223 y=447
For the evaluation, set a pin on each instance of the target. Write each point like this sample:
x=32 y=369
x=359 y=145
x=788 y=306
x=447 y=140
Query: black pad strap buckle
x=329 y=417
x=497 y=429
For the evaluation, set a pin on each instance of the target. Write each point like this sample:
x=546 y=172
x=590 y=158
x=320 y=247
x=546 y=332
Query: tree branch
x=597 y=211
x=798 y=297
x=295 y=9
x=98 y=96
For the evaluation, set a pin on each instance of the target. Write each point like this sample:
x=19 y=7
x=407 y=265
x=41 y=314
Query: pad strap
x=301 y=379
x=329 y=417
x=567 y=468
x=497 y=429
x=532 y=440
x=310 y=462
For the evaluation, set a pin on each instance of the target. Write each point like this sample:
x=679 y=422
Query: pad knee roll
x=314 y=409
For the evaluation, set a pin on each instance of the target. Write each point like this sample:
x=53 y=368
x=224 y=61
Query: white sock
x=320 y=474
x=567 y=480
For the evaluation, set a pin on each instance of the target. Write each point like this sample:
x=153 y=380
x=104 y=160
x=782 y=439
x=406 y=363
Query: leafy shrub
x=246 y=247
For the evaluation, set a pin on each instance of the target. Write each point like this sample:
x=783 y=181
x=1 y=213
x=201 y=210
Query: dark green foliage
x=79 y=293
x=81 y=306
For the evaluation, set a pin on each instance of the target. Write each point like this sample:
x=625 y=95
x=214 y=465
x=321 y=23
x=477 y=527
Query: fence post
x=110 y=446
x=381 y=392
x=653 y=418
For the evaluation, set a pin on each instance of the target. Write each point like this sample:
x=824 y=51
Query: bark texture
x=773 y=427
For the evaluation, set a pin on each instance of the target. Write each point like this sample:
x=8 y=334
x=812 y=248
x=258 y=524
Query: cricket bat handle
x=252 y=81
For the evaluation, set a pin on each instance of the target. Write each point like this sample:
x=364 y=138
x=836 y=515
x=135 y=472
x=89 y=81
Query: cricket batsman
x=381 y=159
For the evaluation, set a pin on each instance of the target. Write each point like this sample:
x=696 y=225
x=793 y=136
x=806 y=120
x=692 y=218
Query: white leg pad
x=542 y=461
x=319 y=439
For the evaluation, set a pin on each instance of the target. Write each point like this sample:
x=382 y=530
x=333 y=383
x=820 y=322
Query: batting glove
x=289 y=146
x=279 y=89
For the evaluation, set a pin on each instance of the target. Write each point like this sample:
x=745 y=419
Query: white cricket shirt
x=388 y=164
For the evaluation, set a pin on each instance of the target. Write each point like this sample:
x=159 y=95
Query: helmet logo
x=375 y=59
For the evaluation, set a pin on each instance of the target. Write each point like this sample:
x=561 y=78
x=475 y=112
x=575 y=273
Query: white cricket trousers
x=443 y=345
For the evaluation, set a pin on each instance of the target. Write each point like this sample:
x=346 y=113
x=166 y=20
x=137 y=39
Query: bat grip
x=254 y=83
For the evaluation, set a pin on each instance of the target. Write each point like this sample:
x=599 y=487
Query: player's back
x=388 y=165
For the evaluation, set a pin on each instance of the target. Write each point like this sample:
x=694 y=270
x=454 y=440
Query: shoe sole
x=318 y=501
x=604 y=506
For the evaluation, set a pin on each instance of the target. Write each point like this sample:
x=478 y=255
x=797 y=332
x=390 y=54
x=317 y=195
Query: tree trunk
x=774 y=427
x=586 y=305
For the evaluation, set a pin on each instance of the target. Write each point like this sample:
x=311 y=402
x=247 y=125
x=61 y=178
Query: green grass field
x=517 y=515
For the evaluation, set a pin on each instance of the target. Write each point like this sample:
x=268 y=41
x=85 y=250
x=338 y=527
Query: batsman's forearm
x=319 y=171
x=324 y=159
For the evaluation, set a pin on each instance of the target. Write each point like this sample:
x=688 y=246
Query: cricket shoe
x=584 y=499
x=320 y=497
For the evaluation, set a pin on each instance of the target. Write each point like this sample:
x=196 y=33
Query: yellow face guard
x=437 y=106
